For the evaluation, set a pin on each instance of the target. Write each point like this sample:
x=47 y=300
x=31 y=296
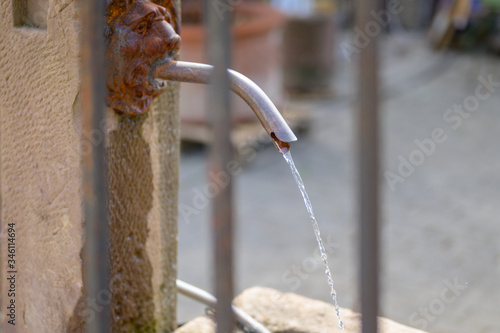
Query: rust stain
x=130 y=200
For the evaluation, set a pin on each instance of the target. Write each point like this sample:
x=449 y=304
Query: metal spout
x=269 y=116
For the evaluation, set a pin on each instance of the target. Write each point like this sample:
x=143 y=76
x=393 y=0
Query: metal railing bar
x=95 y=199
x=368 y=170
x=221 y=153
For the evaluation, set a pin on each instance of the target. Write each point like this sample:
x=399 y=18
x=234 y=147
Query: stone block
x=291 y=313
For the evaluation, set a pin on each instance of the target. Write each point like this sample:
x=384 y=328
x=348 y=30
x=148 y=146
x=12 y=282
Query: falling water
x=284 y=148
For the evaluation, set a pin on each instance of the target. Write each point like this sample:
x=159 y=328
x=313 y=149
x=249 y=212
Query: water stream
x=284 y=148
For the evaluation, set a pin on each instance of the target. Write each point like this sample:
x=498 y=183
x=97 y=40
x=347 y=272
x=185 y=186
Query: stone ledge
x=292 y=313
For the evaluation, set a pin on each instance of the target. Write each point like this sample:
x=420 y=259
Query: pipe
x=205 y=297
x=269 y=116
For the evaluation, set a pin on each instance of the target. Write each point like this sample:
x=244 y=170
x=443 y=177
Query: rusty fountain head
x=138 y=33
x=142 y=47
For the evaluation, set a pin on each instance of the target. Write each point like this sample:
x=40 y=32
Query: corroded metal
x=138 y=34
x=269 y=116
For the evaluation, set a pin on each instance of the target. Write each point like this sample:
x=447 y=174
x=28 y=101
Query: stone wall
x=41 y=145
x=40 y=166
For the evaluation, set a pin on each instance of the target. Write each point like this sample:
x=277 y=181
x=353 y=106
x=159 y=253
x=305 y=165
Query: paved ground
x=441 y=249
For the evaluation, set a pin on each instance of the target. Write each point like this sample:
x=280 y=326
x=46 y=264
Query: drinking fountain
x=142 y=47
x=142 y=51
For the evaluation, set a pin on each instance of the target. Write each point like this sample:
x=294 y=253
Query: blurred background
x=440 y=179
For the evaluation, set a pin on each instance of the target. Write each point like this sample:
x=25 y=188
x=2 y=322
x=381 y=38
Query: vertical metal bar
x=95 y=200
x=368 y=169
x=219 y=19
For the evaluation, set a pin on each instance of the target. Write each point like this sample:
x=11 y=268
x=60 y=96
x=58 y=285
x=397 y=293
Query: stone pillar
x=41 y=144
x=143 y=179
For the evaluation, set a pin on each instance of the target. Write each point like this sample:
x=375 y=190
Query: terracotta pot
x=255 y=53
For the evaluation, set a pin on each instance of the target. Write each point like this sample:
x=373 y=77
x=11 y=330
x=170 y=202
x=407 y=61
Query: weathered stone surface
x=41 y=144
x=292 y=313
x=203 y=324
x=40 y=166
x=288 y=312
